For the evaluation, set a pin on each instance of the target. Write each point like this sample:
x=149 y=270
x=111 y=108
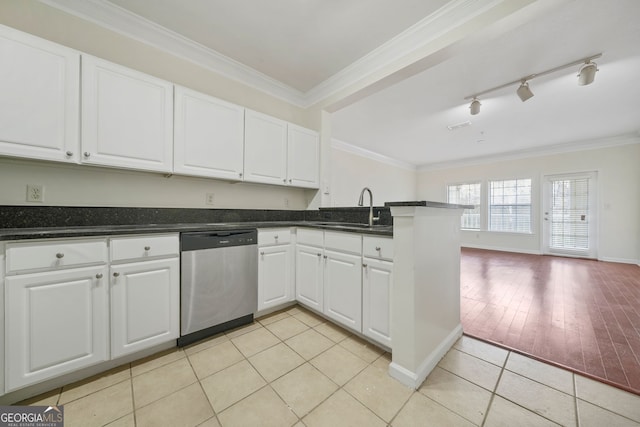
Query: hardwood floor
x=580 y=314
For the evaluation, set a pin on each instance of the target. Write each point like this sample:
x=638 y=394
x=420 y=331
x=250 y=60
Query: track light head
x=524 y=92
x=587 y=73
x=474 y=107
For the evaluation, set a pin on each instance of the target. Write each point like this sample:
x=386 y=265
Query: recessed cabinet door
x=309 y=275
x=145 y=303
x=209 y=136
x=39 y=98
x=376 y=300
x=265 y=142
x=56 y=323
x=303 y=161
x=275 y=276
x=127 y=117
x=343 y=289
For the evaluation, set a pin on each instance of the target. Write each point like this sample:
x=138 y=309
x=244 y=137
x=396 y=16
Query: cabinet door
x=275 y=276
x=303 y=159
x=127 y=117
x=145 y=303
x=56 y=323
x=265 y=145
x=376 y=300
x=39 y=98
x=209 y=136
x=309 y=273
x=343 y=289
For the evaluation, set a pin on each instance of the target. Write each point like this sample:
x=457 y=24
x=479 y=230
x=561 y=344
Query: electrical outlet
x=35 y=193
x=210 y=198
x=286 y=202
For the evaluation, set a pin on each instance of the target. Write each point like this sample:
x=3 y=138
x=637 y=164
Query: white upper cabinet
x=265 y=157
x=127 y=117
x=209 y=136
x=39 y=98
x=303 y=157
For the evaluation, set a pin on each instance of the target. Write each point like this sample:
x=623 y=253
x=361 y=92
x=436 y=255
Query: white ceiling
x=298 y=46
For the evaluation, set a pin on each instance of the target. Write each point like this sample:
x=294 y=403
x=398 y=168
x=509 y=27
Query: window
x=510 y=205
x=466 y=194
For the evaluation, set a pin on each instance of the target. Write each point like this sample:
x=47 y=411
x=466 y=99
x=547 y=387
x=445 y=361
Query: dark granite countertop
x=428 y=204
x=110 y=230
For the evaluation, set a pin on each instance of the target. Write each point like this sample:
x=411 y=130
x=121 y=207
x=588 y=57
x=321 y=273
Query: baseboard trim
x=501 y=249
x=620 y=260
x=415 y=379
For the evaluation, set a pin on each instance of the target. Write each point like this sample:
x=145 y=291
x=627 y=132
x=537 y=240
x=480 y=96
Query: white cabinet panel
x=147 y=246
x=376 y=300
x=39 y=98
x=127 y=117
x=209 y=136
x=343 y=289
x=309 y=276
x=303 y=158
x=275 y=276
x=144 y=305
x=54 y=254
x=265 y=156
x=56 y=322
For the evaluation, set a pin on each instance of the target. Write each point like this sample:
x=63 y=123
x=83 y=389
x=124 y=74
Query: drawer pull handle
x=69 y=153
x=275 y=237
x=378 y=248
x=262 y=253
x=59 y=255
x=319 y=255
x=87 y=154
x=116 y=274
x=364 y=265
x=147 y=248
x=99 y=276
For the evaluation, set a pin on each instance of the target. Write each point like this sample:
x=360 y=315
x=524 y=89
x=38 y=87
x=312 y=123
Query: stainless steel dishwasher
x=219 y=282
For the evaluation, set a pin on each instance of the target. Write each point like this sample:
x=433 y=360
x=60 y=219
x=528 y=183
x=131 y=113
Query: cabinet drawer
x=274 y=236
x=377 y=247
x=55 y=254
x=308 y=236
x=345 y=242
x=126 y=248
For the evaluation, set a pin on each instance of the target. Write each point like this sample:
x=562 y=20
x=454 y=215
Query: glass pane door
x=569 y=215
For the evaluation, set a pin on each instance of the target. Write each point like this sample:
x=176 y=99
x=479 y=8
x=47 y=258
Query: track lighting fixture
x=474 y=108
x=587 y=73
x=585 y=77
x=524 y=92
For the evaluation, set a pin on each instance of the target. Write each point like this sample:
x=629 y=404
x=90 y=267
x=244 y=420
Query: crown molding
x=452 y=15
x=121 y=21
x=590 y=144
x=350 y=148
x=117 y=19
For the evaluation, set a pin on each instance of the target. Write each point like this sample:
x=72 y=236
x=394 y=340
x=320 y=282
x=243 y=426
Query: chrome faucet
x=360 y=203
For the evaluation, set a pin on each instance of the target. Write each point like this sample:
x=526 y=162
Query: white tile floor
x=294 y=368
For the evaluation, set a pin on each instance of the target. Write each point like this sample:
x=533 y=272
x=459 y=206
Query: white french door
x=569 y=215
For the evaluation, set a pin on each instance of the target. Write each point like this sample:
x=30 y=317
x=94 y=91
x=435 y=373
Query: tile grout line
x=495 y=389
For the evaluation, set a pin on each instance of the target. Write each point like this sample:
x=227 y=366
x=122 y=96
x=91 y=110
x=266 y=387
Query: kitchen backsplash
x=69 y=216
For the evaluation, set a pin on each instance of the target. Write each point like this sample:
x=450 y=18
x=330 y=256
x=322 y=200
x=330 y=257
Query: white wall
x=350 y=172
x=74 y=185
x=618 y=196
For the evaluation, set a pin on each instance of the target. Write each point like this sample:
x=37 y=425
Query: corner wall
x=618 y=196
x=351 y=172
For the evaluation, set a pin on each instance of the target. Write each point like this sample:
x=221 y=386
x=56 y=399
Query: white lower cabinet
x=343 y=289
x=67 y=309
x=144 y=305
x=377 y=281
x=309 y=276
x=275 y=268
x=56 y=322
